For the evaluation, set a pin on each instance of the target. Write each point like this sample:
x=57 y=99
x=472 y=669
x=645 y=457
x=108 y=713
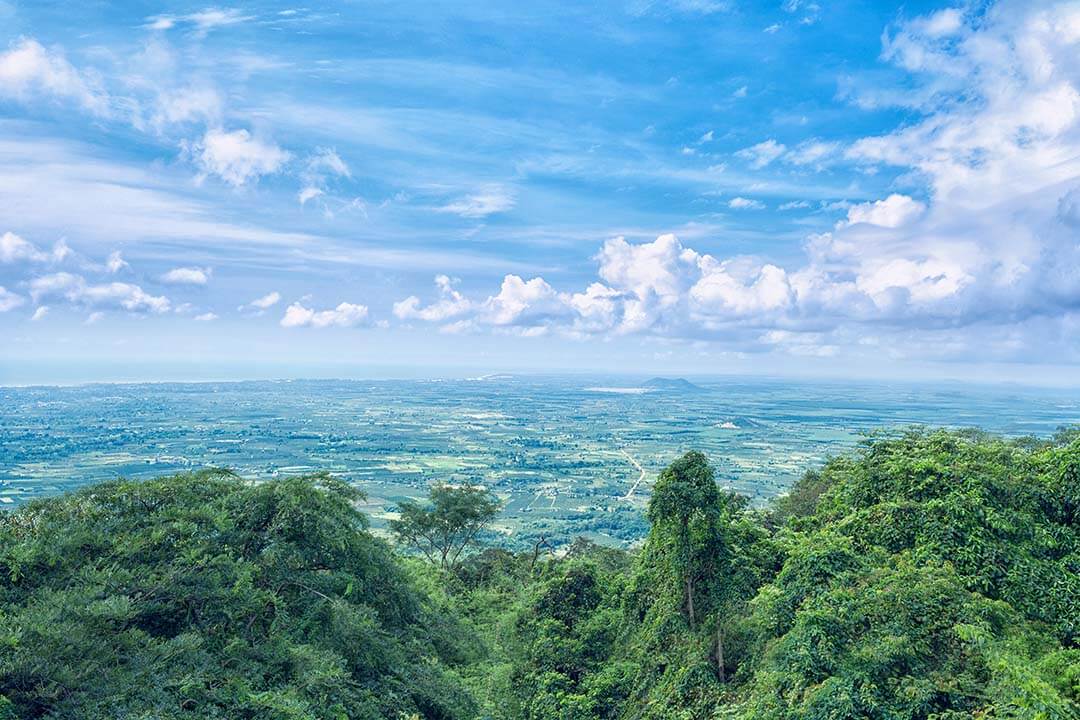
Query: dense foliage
x=202 y=596
x=930 y=575
x=448 y=525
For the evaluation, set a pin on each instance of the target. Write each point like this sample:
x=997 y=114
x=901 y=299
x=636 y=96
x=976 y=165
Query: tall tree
x=444 y=527
x=683 y=510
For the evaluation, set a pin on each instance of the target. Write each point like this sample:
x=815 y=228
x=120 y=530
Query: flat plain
x=568 y=455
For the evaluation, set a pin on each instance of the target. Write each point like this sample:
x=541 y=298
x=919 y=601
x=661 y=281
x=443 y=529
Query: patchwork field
x=568 y=456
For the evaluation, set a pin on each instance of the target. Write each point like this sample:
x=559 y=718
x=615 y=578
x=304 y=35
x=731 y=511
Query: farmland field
x=562 y=452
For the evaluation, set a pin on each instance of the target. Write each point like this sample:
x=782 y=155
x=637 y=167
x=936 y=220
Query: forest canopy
x=928 y=575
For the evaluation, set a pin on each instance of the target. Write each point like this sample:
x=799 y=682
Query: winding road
x=635 y=463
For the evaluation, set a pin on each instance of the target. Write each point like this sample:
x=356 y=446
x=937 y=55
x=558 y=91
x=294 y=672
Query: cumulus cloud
x=488 y=201
x=236 y=157
x=39 y=313
x=450 y=304
x=15 y=249
x=528 y=305
x=762 y=154
x=892 y=212
x=29 y=70
x=76 y=290
x=187 y=276
x=261 y=304
x=344 y=315
x=9 y=300
x=205 y=317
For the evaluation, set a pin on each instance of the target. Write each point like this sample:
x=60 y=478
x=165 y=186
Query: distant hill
x=671 y=384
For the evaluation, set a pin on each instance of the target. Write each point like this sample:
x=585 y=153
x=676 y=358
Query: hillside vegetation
x=930 y=575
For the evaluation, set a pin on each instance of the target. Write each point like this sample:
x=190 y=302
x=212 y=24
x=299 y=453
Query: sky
x=784 y=187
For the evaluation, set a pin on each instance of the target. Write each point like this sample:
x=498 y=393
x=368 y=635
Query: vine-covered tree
x=684 y=510
x=448 y=524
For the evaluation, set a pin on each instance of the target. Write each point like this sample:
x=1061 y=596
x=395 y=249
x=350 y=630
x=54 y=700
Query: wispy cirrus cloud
x=762 y=154
x=261 y=304
x=490 y=200
x=9 y=300
x=201 y=21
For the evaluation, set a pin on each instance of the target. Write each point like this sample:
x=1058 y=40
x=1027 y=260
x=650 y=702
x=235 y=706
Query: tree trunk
x=536 y=551
x=690 y=600
x=720 y=653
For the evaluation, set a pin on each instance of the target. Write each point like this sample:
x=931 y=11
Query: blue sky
x=694 y=186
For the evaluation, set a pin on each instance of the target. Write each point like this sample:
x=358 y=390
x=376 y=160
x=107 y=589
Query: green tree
x=206 y=596
x=683 y=510
x=448 y=524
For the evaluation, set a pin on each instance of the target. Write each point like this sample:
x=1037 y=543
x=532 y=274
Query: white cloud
x=649 y=270
x=741 y=92
x=326 y=161
x=40 y=313
x=308 y=193
x=451 y=304
x=772 y=29
x=178 y=106
x=663 y=7
x=322 y=166
x=263 y=303
x=94 y=318
x=15 y=249
x=115 y=262
x=488 y=201
x=794 y=205
x=201 y=21
x=762 y=154
x=892 y=212
x=237 y=157
x=215 y=17
x=77 y=291
x=29 y=70
x=733 y=288
x=741 y=203
x=344 y=315
x=187 y=276
x=527 y=304
x=941 y=24
x=812 y=152
x=205 y=317
x=809 y=10
x=707 y=137
x=9 y=300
